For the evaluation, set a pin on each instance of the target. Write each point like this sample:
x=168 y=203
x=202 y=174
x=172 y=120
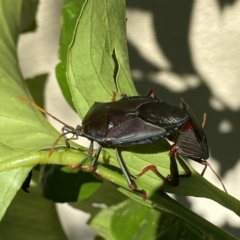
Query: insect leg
x=172 y=178
x=68 y=129
x=188 y=172
x=124 y=169
x=152 y=168
x=94 y=161
x=65 y=130
x=127 y=176
x=90 y=152
x=204 y=169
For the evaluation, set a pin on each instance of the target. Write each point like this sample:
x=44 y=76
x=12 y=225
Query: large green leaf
x=97 y=60
x=131 y=220
x=20 y=128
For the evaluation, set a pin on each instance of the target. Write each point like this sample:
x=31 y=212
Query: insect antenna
x=66 y=126
x=207 y=164
x=42 y=110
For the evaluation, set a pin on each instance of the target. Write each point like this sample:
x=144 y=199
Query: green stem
x=71 y=157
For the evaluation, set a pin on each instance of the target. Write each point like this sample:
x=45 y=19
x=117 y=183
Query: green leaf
x=36 y=88
x=30 y=216
x=131 y=220
x=97 y=59
x=158 y=200
x=107 y=194
x=69 y=13
x=10 y=180
x=29 y=8
x=22 y=128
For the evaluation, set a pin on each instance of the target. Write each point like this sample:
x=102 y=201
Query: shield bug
x=128 y=121
x=139 y=120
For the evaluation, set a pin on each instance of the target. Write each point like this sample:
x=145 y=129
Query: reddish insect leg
x=152 y=168
x=173 y=177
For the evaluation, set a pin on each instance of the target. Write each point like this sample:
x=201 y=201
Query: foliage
x=93 y=63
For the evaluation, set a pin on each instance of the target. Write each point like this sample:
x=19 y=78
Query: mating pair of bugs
x=140 y=120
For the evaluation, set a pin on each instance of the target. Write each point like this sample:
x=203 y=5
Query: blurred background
x=181 y=49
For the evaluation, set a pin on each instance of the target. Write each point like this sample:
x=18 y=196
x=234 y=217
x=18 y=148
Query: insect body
x=140 y=120
x=129 y=121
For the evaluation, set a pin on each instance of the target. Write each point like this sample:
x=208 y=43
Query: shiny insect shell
x=129 y=121
x=139 y=120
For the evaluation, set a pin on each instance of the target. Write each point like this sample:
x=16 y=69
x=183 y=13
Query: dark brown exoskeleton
x=139 y=120
x=127 y=122
x=116 y=124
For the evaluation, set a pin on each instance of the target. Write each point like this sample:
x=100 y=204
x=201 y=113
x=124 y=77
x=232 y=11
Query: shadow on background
x=171 y=25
